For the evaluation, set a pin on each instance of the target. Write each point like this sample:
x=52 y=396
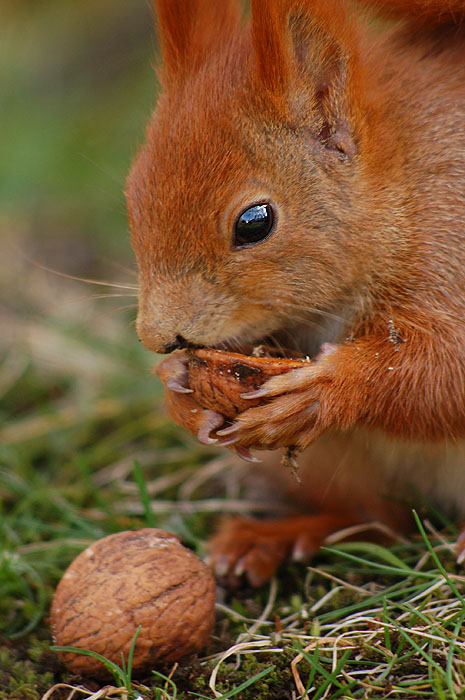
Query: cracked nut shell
x=143 y=577
x=218 y=378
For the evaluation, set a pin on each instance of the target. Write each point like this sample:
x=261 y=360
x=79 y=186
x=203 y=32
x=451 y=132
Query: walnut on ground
x=142 y=577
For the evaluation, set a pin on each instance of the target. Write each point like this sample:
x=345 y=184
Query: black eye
x=253 y=225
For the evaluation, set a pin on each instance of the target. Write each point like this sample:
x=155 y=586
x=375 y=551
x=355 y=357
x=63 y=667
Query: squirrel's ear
x=307 y=61
x=189 y=29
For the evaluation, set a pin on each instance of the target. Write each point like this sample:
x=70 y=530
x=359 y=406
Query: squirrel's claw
x=211 y=421
x=245 y=454
x=182 y=406
x=228 y=431
x=173 y=372
x=177 y=387
x=284 y=383
x=257 y=394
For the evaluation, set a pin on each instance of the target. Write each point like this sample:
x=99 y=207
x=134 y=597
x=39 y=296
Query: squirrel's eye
x=253 y=225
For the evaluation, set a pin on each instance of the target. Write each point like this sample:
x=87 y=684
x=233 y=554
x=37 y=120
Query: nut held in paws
x=142 y=577
x=218 y=378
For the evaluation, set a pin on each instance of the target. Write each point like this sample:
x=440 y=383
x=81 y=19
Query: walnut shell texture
x=142 y=577
x=218 y=378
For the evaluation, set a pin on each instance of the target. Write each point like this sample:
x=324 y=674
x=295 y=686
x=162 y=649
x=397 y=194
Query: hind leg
x=255 y=548
x=341 y=486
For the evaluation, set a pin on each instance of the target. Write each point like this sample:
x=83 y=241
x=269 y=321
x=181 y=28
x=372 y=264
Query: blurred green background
x=77 y=85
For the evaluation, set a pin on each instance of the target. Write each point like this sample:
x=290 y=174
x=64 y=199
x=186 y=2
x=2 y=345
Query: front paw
x=199 y=421
x=184 y=410
x=296 y=414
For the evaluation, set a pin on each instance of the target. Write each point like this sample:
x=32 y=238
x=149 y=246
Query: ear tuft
x=189 y=30
x=306 y=57
x=270 y=45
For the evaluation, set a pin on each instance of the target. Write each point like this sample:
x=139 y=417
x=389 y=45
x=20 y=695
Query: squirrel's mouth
x=309 y=339
x=288 y=343
x=265 y=347
x=283 y=344
x=180 y=343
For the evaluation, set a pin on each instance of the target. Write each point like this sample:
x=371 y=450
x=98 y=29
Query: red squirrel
x=303 y=180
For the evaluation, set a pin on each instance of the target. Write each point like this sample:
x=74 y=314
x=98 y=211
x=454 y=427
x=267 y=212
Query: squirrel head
x=244 y=202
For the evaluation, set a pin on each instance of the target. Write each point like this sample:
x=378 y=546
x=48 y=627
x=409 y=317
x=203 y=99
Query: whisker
x=277 y=343
x=285 y=302
x=111 y=176
x=102 y=283
x=308 y=309
x=112 y=312
x=128 y=270
x=112 y=296
x=309 y=322
x=125 y=308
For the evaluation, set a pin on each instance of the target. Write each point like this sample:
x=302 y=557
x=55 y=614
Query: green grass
x=79 y=408
x=121 y=674
x=365 y=622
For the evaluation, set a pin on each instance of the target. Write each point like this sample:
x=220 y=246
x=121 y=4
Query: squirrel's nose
x=159 y=337
x=163 y=343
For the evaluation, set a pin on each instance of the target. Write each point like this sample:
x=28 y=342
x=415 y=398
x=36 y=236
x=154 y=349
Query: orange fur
x=429 y=12
x=188 y=32
x=356 y=136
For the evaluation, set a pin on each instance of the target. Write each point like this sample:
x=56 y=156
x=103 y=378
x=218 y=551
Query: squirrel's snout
x=160 y=335
x=157 y=341
x=178 y=314
x=161 y=323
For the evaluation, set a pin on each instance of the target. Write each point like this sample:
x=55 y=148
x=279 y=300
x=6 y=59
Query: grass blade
x=144 y=495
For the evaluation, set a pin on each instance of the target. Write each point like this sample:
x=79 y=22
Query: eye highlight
x=253 y=225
